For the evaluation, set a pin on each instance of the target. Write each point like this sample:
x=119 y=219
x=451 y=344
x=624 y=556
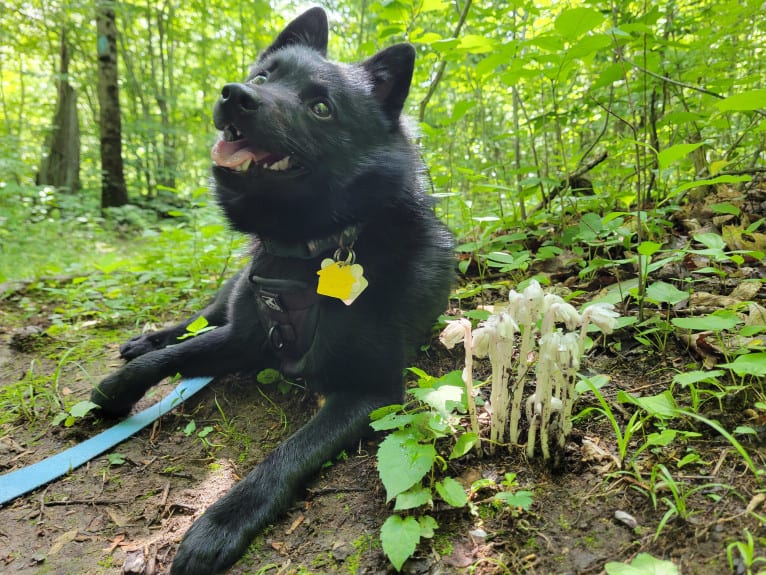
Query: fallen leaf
x=62 y=540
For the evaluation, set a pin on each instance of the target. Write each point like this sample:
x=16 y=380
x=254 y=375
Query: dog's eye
x=321 y=109
x=258 y=79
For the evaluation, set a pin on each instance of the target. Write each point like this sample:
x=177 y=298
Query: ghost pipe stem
x=455 y=332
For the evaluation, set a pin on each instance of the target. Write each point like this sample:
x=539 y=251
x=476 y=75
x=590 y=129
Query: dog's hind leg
x=222 y=534
x=214 y=313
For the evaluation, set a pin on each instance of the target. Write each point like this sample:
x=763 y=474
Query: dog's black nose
x=240 y=95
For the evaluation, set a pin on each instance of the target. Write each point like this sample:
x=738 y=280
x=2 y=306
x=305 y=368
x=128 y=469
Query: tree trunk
x=113 y=190
x=60 y=166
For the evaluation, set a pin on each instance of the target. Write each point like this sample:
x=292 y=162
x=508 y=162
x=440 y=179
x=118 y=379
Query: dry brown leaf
x=61 y=540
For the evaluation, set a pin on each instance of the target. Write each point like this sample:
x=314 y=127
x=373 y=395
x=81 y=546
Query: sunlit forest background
x=528 y=112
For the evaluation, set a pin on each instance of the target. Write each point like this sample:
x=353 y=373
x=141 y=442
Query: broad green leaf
x=669 y=155
x=402 y=462
x=648 y=248
x=433 y=5
x=661 y=405
x=692 y=377
x=706 y=323
x=748 y=364
x=452 y=492
x=190 y=428
x=82 y=408
x=464 y=444
x=662 y=439
x=392 y=421
x=666 y=293
x=399 y=538
x=643 y=564
x=575 y=22
x=710 y=240
x=197 y=325
x=415 y=496
x=522 y=499
x=725 y=208
x=744 y=101
x=427 y=526
x=476 y=44
x=725 y=179
x=443 y=399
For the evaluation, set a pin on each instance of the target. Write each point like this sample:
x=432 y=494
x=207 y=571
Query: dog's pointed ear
x=391 y=73
x=309 y=29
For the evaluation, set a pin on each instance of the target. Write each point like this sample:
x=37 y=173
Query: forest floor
x=127 y=514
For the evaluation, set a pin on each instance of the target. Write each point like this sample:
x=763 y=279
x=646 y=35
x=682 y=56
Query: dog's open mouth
x=235 y=152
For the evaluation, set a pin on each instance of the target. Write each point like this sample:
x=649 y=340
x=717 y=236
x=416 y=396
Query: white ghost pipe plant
x=549 y=408
x=455 y=332
x=495 y=339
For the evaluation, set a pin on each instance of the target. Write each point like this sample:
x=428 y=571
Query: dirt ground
x=128 y=516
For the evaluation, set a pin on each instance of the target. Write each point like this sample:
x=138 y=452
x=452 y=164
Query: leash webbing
x=26 y=479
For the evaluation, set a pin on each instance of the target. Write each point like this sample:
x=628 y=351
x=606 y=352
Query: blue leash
x=26 y=479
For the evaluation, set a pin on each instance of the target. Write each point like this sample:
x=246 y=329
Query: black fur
x=354 y=178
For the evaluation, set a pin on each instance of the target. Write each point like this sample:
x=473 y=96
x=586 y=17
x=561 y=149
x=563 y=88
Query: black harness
x=288 y=308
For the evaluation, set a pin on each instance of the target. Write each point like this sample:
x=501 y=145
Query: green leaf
x=452 y=492
x=433 y=5
x=197 y=325
x=706 y=323
x=402 y=462
x=744 y=101
x=115 y=458
x=415 y=496
x=575 y=22
x=427 y=526
x=666 y=293
x=669 y=155
x=268 y=376
x=464 y=444
x=82 y=408
x=190 y=428
x=692 y=377
x=399 y=538
x=443 y=399
x=710 y=240
x=643 y=564
x=748 y=364
x=392 y=421
x=725 y=208
x=648 y=248
x=522 y=499
x=662 y=405
x=725 y=179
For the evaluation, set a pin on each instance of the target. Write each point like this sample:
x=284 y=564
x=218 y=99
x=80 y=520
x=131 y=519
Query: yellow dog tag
x=341 y=280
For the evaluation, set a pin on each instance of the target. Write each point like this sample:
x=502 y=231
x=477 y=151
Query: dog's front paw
x=215 y=541
x=139 y=345
x=112 y=395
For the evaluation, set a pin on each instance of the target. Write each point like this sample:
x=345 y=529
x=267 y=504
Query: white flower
x=603 y=315
x=534 y=295
x=454 y=333
x=480 y=340
x=505 y=325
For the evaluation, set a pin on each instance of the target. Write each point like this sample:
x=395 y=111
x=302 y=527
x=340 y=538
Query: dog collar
x=311 y=248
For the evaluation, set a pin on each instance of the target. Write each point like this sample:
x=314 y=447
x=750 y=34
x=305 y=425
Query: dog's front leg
x=214 y=353
x=222 y=534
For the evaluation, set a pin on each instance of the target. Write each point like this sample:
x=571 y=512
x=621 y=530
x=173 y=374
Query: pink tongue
x=233 y=154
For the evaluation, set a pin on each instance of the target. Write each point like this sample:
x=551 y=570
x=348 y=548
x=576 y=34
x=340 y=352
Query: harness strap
x=288 y=310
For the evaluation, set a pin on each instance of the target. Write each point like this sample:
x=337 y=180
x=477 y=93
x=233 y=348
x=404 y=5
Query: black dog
x=314 y=163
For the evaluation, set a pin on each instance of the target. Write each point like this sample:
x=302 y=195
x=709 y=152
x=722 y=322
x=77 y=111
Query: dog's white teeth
x=281 y=165
x=243 y=166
